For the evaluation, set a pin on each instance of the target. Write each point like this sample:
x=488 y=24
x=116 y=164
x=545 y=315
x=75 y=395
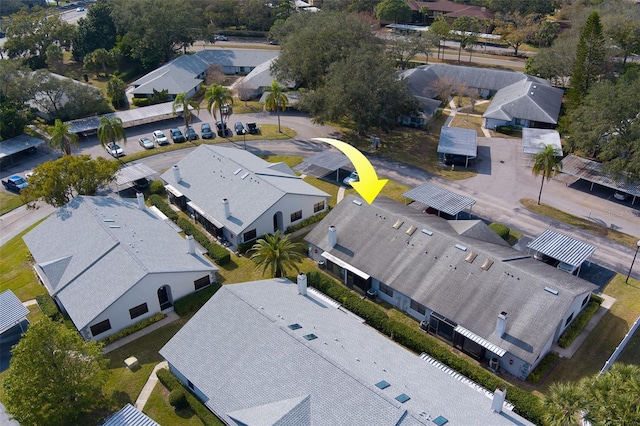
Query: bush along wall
x=172 y=383
x=578 y=324
x=527 y=404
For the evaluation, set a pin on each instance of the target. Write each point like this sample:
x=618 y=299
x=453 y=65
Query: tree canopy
x=276 y=254
x=590 y=56
x=393 y=11
x=546 y=163
x=96 y=30
x=276 y=100
x=111 y=130
x=55 y=376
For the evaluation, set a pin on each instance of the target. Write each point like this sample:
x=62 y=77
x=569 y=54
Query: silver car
x=160 y=138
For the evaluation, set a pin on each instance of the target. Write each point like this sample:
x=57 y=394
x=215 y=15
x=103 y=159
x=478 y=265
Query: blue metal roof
x=12 y=311
x=129 y=416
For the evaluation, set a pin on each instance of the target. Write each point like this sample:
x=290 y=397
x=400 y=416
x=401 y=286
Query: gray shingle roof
x=440 y=199
x=431 y=270
x=239 y=351
x=12 y=311
x=562 y=247
x=457 y=141
x=129 y=416
x=104 y=246
x=527 y=100
x=251 y=185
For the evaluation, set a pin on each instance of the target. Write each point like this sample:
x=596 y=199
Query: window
x=190 y=384
x=249 y=235
x=568 y=320
x=202 y=282
x=100 y=327
x=296 y=216
x=318 y=207
x=386 y=289
x=418 y=307
x=138 y=310
x=586 y=299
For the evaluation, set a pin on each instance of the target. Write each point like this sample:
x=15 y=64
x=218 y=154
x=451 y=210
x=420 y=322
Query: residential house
x=518 y=99
x=111 y=262
x=186 y=73
x=275 y=353
x=488 y=300
x=253 y=85
x=238 y=196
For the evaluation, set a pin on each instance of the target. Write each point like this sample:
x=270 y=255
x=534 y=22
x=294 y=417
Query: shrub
x=219 y=254
x=133 y=328
x=49 y=307
x=171 y=382
x=157 y=187
x=178 y=399
x=578 y=324
x=500 y=229
x=140 y=102
x=597 y=299
x=308 y=221
x=507 y=130
x=545 y=365
x=157 y=201
x=194 y=301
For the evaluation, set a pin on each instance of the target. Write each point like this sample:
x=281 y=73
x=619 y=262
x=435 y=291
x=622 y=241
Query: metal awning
x=18 y=144
x=13 y=311
x=479 y=340
x=458 y=141
x=132 y=173
x=323 y=163
x=174 y=191
x=440 y=199
x=345 y=265
x=592 y=171
x=562 y=247
x=204 y=214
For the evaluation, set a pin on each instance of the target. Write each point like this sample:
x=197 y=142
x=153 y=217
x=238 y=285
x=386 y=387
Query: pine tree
x=590 y=55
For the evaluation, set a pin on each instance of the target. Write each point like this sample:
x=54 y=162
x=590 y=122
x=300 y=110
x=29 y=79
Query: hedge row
x=500 y=229
x=545 y=365
x=194 y=301
x=157 y=187
x=49 y=307
x=596 y=298
x=133 y=328
x=507 y=130
x=216 y=252
x=527 y=404
x=578 y=324
x=308 y=221
x=172 y=383
x=158 y=202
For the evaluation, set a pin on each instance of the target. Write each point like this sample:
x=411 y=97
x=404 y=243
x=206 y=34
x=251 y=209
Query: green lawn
x=9 y=202
x=158 y=409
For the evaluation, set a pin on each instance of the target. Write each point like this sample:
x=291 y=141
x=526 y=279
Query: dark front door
x=164 y=297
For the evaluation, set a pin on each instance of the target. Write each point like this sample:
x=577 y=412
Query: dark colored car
x=206 y=132
x=176 y=135
x=141 y=184
x=223 y=130
x=190 y=133
x=458 y=160
x=239 y=128
x=253 y=129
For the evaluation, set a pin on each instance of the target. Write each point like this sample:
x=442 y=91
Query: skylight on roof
x=398 y=224
x=426 y=231
x=461 y=247
x=440 y=420
x=383 y=384
x=403 y=397
x=295 y=326
x=237 y=171
x=551 y=290
x=470 y=257
x=310 y=336
x=244 y=176
x=411 y=230
x=486 y=265
x=357 y=202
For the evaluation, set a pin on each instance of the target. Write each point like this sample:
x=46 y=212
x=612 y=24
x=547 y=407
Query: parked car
x=618 y=195
x=80 y=9
x=221 y=37
x=115 y=150
x=176 y=135
x=206 y=132
x=239 y=128
x=146 y=143
x=190 y=133
x=160 y=138
x=458 y=160
x=253 y=128
x=223 y=130
x=141 y=184
x=15 y=183
x=353 y=177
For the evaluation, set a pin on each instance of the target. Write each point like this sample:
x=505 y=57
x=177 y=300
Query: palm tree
x=111 y=130
x=546 y=163
x=58 y=136
x=217 y=97
x=564 y=404
x=276 y=100
x=186 y=104
x=276 y=253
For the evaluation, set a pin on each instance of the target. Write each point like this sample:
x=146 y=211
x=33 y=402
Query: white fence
x=620 y=348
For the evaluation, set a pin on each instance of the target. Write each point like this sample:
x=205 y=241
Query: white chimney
x=176 y=173
x=140 y=198
x=191 y=245
x=333 y=236
x=227 y=210
x=302 y=284
x=501 y=324
x=498 y=399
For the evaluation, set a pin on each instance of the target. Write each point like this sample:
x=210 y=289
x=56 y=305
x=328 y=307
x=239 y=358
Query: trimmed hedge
x=133 y=328
x=172 y=383
x=48 y=307
x=500 y=229
x=157 y=187
x=578 y=324
x=158 y=202
x=545 y=365
x=597 y=299
x=527 y=404
x=308 y=221
x=220 y=254
x=507 y=130
x=194 y=301
x=178 y=399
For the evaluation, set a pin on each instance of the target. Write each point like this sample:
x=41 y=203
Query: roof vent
x=398 y=224
x=486 y=265
x=426 y=231
x=461 y=247
x=411 y=230
x=551 y=290
x=310 y=336
x=244 y=176
x=237 y=171
x=470 y=257
x=108 y=220
x=357 y=202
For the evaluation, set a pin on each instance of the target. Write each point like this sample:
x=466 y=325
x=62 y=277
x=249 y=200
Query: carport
x=324 y=163
x=440 y=199
x=457 y=141
x=16 y=145
x=13 y=323
x=132 y=173
x=569 y=252
x=592 y=171
x=536 y=140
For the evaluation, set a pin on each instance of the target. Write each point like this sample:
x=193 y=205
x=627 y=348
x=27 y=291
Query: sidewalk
x=595 y=319
x=171 y=316
x=148 y=387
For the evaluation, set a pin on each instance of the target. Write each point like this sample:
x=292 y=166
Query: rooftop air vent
x=486 y=265
x=411 y=230
x=244 y=175
x=551 y=290
x=461 y=247
x=237 y=171
x=109 y=220
x=398 y=224
x=357 y=202
x=470 y=257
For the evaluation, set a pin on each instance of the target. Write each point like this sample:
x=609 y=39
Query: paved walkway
x=148 y=387
x=171 y=316
x=29 y=303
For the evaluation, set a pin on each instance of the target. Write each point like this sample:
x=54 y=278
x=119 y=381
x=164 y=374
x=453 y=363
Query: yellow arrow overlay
x=369 y=185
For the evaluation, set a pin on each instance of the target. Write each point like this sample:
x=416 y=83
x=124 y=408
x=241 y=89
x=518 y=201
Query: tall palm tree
x=111 y=130
x=546 y=163
x=563 y=405
x=276 y=100
x=58 y=136
x=276 y=253
x=217 y=97
x=186 y=104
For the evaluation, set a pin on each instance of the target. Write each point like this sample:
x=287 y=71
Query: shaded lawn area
x=159 y=409
x=464 y=121
x=9 y=202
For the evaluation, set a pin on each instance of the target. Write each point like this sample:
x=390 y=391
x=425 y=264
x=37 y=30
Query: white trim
x=345 y=265
x=204 y=214
x=174 y=191
x=479 y=340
